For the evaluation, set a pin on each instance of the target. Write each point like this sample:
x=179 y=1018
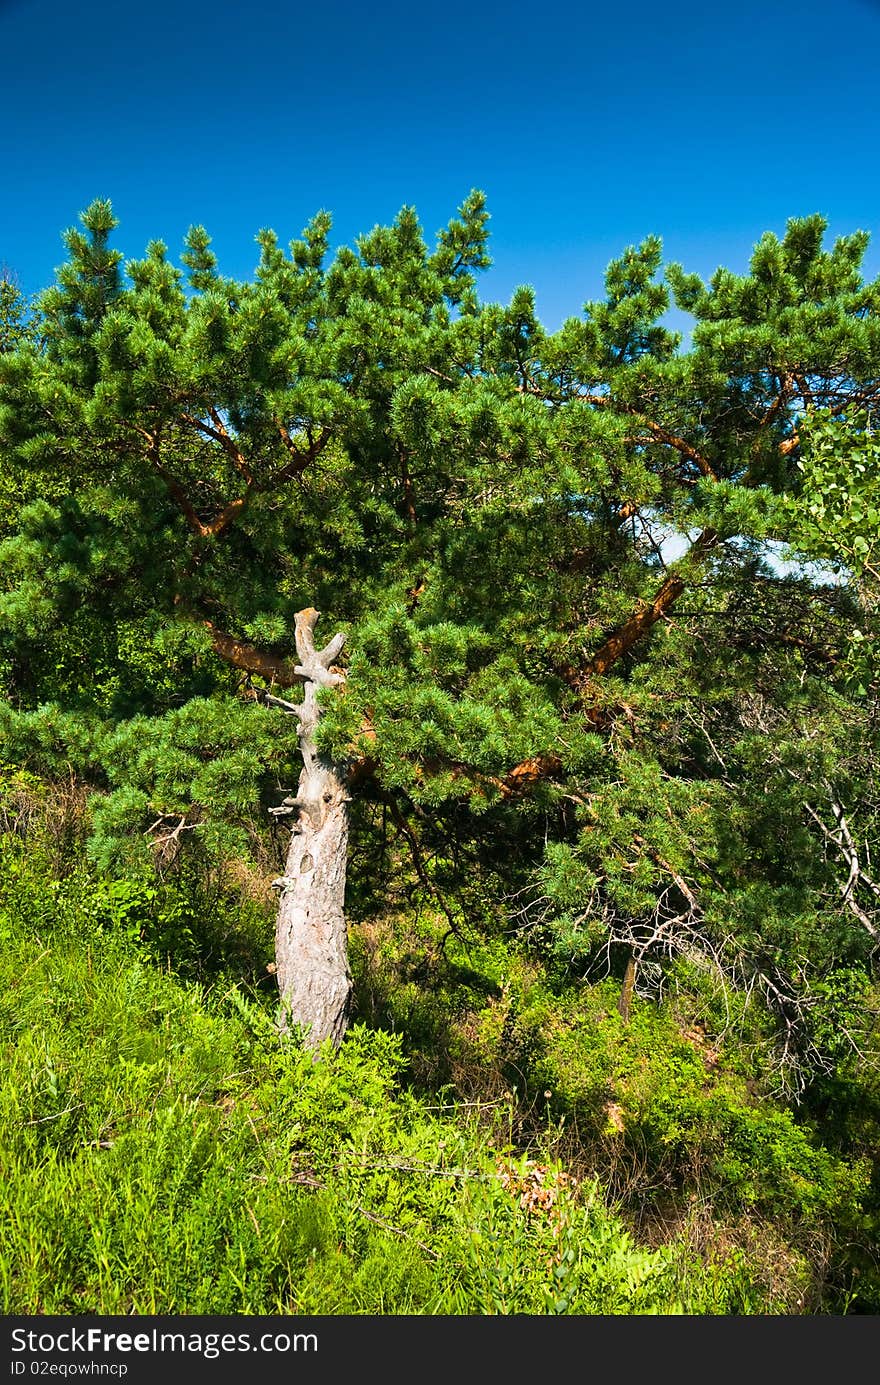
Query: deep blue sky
x=588 y=125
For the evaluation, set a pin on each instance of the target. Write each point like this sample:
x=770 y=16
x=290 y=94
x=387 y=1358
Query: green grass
x=164 y=1151
x=163 y=1154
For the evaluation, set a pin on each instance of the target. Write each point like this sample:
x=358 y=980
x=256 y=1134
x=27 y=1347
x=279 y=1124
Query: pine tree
x=483 y=512
x=16 y=323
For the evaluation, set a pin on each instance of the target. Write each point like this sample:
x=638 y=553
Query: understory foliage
x=482 y=1142
x=608 y=718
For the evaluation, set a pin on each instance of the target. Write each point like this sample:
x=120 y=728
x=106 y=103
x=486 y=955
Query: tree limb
x=241 y=654
x=299 y=459
x=220 y=434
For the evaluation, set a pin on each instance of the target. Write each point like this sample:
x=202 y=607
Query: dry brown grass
x=55 y=812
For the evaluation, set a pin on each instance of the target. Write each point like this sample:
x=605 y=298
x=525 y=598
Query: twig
x=397 y=1230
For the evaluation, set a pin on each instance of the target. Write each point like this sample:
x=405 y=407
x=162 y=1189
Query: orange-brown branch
x=855 y=400
x=632 y=630
x=643 y=618
x=220 y=434
x=781 y=399
x=241 y=654
x=231 y=447
x=527 y=774
x=172 y=485
x=227 y=516
x=543 y=766
x=178 y=494
x=679 y=445
x=214 y=527
x=300 y=458
x=657 y=431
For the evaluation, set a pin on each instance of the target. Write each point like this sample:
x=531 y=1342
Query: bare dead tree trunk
x=311 y=944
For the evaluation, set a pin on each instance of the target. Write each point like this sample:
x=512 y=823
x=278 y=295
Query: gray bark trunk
x=311 y=943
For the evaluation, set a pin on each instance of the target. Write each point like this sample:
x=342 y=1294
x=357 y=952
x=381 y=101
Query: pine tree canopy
x=572 y=651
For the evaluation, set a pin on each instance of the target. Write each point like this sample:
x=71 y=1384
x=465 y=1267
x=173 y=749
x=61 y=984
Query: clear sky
x=588 y=125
